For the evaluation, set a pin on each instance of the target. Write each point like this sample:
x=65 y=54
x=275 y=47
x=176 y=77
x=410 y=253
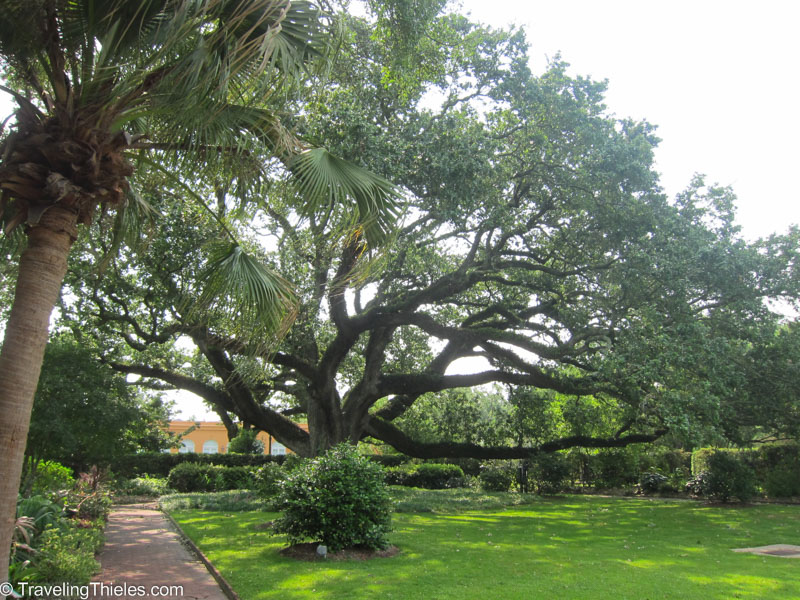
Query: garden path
x=142 y=552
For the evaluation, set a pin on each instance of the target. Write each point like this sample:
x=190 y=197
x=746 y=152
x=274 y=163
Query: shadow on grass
x=566 y=548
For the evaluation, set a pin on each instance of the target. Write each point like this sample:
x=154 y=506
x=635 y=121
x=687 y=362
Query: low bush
x=497 y=476
x=653 y=483
x=192 y=477
x=431 y=476
x=267 y=480
x=338 y=499
x=613 y=468
x=47 y=478
x=159 y=464
x=549 y=473
x=783 y=480
x=66 y=554
x=230 y=501
x=142 y=486
x=727 y=477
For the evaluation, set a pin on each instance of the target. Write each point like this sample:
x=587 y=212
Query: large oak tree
x=538 y=252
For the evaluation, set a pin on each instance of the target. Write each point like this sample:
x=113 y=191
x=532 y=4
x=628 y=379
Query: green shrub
x=496 y=476
x=233 y=478
x=652 y=483
x=246 y=443
x=613 y=468
x=389 y=460
x=48 y=478
x=267 y=480
x=229 y=501
x=42 y=511
x=783 y=480
x=66 y=554
x=159 y=464
x=338 y=499
x=431 y=476
x=550 y=473
x=143 y=486
x=192 y=477
x=727 y=477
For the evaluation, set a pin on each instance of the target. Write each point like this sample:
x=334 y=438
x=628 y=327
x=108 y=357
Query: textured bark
x=42 y=267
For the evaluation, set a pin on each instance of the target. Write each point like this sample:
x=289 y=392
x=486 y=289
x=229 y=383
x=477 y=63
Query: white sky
x=719 y=78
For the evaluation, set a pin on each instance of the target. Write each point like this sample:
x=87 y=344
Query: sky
x=719 y=79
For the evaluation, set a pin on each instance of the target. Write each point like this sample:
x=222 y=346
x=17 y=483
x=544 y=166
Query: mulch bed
x=308 y=552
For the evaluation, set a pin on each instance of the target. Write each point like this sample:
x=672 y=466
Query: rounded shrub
x=726 y=477
x=496 y=476
x=192 y=477
x=246 y=443
x=338 y=499
x=267 y=480
x=550 y=473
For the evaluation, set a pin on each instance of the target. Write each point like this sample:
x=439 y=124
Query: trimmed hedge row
x=432 y=476
x=159 y=464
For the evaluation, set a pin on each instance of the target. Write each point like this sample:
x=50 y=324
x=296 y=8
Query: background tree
x=103 y=88
x=86 y=414
x=537 y=242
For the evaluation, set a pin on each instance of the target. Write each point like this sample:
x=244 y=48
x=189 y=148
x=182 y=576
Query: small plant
x=246 y=443
x=550 y=473
x=143 y=486
x=652 y=483
x=267 y=480
x=496 y=477
x=192 y=477
x=338 y=499
x=727 y=477
x=67 y=554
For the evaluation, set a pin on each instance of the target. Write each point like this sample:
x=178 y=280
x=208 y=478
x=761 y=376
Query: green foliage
x=228 y=501
x=46 y=478
x=85 y=413
x=497 y=476
x=431 y=476
x=727 y=476
x=42 y=512
x=652 y=483
x=550 y=473
x=780 y=470
x=267 y=480
x=613 y=468
x=197 y=477
x=338 y=499
x=160 y=464
x=66 y=554
x=192 y=477
x=142 y=486
x=246 y=442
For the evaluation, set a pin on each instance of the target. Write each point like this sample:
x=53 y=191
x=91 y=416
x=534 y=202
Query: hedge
x=159 y=464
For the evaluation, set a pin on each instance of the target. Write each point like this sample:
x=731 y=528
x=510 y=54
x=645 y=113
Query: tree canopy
x=537 y=252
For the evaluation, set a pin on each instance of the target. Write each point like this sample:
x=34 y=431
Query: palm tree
x=104 y=87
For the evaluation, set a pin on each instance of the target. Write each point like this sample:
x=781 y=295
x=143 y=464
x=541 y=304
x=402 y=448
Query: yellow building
x=210 y=437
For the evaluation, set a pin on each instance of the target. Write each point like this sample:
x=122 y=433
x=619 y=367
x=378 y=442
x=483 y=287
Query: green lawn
x=574 y=547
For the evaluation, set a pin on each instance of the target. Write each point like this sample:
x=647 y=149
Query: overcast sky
x=719 y=79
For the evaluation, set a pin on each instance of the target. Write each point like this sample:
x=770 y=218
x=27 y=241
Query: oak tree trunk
x=42 y=268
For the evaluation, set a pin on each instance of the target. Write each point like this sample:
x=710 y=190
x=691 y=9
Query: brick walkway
x=142 y=551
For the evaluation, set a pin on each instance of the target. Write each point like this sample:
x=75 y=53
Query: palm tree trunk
x=42 y=267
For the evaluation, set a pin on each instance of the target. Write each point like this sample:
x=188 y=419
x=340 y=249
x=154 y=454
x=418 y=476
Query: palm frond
x=258 y=300
x=324 y=179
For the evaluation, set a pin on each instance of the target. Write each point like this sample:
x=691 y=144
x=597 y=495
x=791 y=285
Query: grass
x=574 y=547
